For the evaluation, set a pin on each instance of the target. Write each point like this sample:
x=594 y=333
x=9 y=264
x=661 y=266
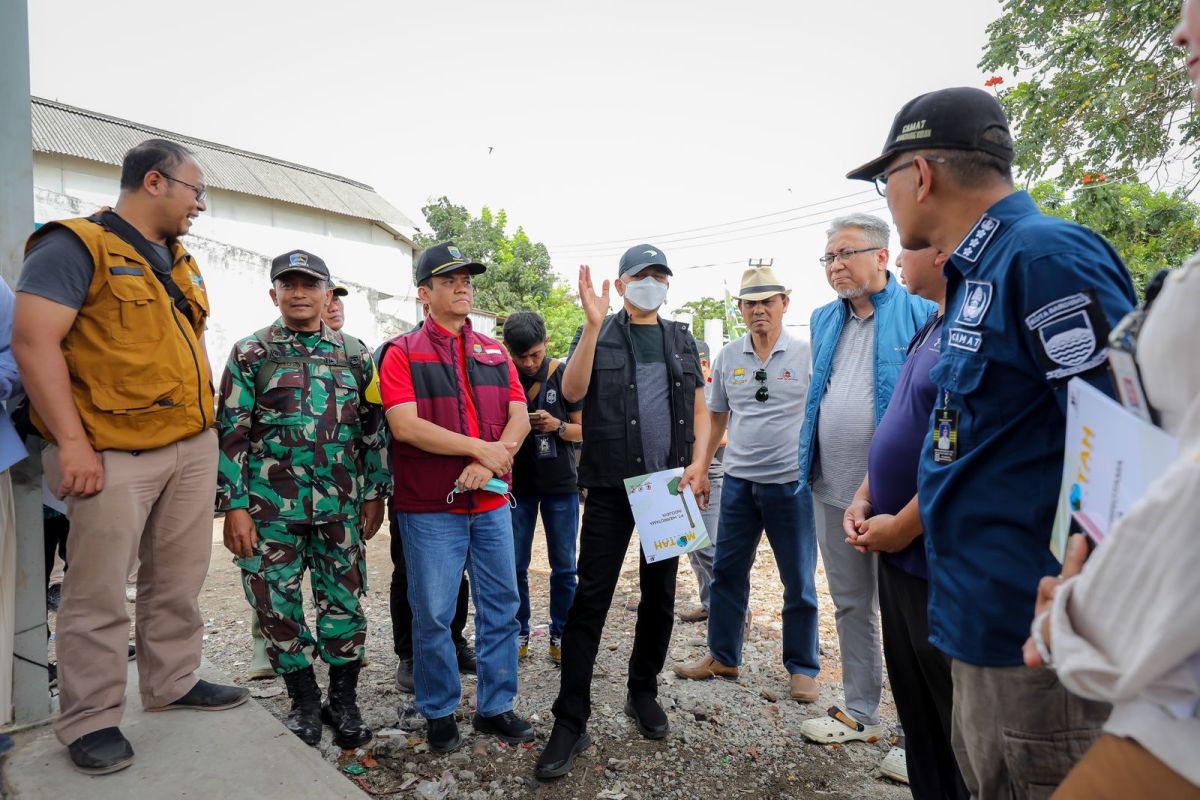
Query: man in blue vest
x=1029 y=301
x=858 y=346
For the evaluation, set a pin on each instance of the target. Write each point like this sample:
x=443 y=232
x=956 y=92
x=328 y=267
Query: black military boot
x=341 y=712
x=304 y=719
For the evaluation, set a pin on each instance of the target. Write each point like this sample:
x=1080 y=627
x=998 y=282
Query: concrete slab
x=240 y=753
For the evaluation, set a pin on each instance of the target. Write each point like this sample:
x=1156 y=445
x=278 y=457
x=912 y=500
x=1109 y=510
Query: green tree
x=519 y=271
x=1100 y=88
x=703 y=309
x=563 y=316
x=707 y=308
x=1151 y=230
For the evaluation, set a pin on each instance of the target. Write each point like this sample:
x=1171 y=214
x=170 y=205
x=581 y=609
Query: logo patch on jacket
x=1071 y=332
x=738 y=377
x=964 y=339
x=979 y=297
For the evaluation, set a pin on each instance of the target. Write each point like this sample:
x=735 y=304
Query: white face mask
x=647 y=294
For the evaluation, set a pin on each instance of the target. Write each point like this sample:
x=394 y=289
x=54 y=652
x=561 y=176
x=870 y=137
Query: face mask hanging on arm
x=494 y=485
x=647 y=294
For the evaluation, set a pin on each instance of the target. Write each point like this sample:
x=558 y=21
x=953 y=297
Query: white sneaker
x=895 y=765
x=838 y=726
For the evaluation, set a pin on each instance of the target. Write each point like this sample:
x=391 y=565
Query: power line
x=707 y=227
x=603 y=254
x=674 y=241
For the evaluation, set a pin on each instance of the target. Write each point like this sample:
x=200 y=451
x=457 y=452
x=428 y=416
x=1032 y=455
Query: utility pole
x=23 y=644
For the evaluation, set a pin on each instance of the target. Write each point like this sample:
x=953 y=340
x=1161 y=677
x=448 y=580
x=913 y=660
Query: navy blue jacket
x=1029 y=301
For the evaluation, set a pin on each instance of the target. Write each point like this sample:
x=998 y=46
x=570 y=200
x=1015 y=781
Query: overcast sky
x=610 y=123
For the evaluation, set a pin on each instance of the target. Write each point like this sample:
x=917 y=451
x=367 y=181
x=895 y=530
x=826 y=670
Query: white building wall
x=234 y=242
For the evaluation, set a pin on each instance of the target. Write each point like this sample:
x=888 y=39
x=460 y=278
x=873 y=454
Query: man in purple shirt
x=884 y=519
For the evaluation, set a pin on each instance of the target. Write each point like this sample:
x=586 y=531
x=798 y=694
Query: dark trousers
x=603 y=542
x=921 y=685
x=57 y=528
x=402 y=618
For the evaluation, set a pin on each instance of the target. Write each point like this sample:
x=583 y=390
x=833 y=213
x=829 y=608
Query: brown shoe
x=697 y=614
x=705 y=668
x=803 y=689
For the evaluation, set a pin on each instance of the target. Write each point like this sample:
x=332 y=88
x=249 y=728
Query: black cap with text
x=948 y=119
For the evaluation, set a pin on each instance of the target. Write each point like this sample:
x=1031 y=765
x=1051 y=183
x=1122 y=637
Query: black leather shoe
x=559 y=756
x=404 y=674
x=341 y=712
x=304 y=718
x=205 y=696
x=442 y=734
x=507 y=726
x=648 y=714
x=466 y=659
x=101 y=752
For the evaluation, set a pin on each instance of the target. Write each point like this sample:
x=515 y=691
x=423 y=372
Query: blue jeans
x=560 y=519
x=785 y=511
x=436 y=548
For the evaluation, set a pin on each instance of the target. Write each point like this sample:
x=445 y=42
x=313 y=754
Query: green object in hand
x=673 y=488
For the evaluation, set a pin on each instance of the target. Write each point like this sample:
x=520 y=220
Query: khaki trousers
x=1017 y=731
x=157 y=505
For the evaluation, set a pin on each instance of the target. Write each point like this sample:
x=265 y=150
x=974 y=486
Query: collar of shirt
x=282 y=333
x=435 y=328
x=781 y=344
x=1004 y=212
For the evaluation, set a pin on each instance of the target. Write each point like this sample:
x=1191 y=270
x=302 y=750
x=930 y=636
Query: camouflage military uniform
x=302 y=459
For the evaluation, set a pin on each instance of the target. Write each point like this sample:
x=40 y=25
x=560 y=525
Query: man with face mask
x=643 y=404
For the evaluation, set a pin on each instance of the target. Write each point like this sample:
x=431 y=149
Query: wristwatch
x=562 y=428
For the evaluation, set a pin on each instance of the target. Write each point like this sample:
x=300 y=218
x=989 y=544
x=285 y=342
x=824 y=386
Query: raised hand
x=595 y=306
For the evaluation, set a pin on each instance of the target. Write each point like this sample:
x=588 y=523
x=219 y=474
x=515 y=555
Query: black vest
x=612 y=433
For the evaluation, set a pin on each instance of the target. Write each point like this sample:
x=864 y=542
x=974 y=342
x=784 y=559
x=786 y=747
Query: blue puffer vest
x=898 y=315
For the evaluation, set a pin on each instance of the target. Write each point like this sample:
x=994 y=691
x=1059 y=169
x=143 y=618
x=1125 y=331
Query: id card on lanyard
x=545 y=448
x=945 y=432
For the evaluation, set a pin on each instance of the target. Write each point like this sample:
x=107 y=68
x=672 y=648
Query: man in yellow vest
x=108 y=333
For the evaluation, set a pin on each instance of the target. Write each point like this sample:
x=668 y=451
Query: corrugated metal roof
x=66 y=130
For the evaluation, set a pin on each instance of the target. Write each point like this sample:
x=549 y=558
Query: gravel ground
x=728 y=739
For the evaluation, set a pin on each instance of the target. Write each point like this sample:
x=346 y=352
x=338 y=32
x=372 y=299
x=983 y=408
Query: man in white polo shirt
x=758 y=388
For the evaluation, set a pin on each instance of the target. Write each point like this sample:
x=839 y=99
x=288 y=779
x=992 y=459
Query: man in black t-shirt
x=544 y=474
x=639 y=378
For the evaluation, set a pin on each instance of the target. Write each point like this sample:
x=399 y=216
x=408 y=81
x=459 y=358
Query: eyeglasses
x=201 y=191
x=882 y=178
x=843 y=255
x=763 y=393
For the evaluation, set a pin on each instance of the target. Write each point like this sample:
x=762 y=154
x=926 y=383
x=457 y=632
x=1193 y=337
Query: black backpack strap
x=134 y=239
x=356 y=354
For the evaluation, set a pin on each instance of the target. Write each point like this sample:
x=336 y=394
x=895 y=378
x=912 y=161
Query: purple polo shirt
x=896 y=447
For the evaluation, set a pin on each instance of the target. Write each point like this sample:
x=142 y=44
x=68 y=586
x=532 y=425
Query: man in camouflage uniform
x=302 y=483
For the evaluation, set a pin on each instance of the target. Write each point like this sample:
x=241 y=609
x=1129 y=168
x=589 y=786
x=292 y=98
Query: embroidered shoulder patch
x=1070 y=335
x=979 y=298
x=964 y=339
x=972 y=247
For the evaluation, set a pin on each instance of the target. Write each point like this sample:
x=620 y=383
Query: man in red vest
x=457 y=413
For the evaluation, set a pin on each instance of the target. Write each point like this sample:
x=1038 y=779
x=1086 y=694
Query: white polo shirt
x=763 y=436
